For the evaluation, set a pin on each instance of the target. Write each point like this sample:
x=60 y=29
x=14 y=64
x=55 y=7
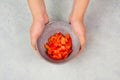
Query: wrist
x=75 y=19
x=44 y=19
x=38 y=19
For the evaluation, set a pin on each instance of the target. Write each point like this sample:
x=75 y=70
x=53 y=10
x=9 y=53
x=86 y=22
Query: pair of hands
x=38 y=26
x=40 y=18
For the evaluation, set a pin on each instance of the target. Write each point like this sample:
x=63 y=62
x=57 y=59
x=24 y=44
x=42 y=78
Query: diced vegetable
x=59 y=46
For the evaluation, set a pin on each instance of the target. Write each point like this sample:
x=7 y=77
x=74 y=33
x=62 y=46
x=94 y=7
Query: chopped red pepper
x=59 y=46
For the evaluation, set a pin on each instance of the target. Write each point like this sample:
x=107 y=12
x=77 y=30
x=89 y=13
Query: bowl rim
x=56 y=60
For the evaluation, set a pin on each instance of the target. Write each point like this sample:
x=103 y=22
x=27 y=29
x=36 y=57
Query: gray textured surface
x=99 y=61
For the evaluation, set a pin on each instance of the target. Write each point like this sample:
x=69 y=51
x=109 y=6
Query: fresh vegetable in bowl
x=58 y=43
x=59 y=46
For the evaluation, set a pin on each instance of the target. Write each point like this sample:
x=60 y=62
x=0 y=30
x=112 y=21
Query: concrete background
x=99 y=61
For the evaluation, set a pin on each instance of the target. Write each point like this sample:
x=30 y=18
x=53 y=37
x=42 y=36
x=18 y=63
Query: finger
x=82 y=44
x=35 y=32
x=33 y=43
x=38 y=54
x=82 y=38
x=80 y=51
x=36 y=50
x=46 y=18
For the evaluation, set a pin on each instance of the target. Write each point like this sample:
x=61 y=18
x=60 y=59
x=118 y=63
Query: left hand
x=79 y=29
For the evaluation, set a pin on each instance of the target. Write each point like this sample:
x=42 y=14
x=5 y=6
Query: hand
x=37 y=29
x=76 y=19
x=40 y=18
x=79 y=29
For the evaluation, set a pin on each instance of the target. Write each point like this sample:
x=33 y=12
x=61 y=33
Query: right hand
x=37 y=29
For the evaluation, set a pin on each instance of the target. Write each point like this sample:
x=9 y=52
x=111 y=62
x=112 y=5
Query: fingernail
x=80 y=48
